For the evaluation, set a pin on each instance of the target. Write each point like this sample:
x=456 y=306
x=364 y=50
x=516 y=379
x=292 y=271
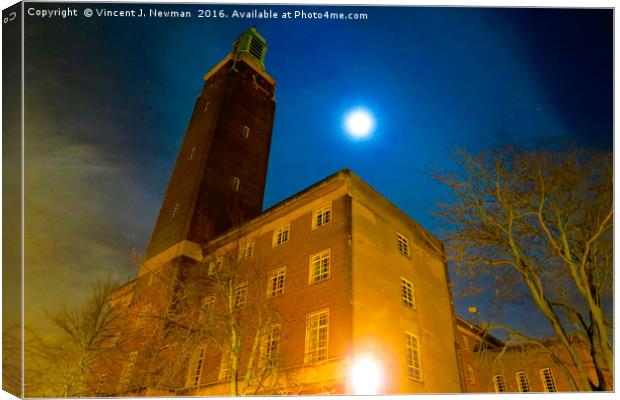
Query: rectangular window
x=406 y=293
x=319 y=266
x=155 y=277
x=246 y=251
x=127 y=372
x=245 y=131
x=175 y=210
x=235 y=183
x=414 y=360
x=226 y=366
x=403 y=244
x=498 y=382
x=281 y=235
x=206 y=308
x=145 y=312
x=215 y=266
x=469 y=372
x=464 y=343
x=206 y=106
x=271 y=344
x=522 y=382
x=276 y=282
x=317 y=331
x=322 y=216
x=195 y=368
x=547 y=379
x=240 y=295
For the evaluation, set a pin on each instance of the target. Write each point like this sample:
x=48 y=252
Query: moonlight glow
x=359 y=123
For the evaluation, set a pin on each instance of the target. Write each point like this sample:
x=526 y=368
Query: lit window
x=321 y=216
x=276 y=282
x=464 y=343
x=245 y=131
x=547 y=379
x=226 y=366
x=317 y=331
x=240 y=295
x=144 y=313
x=195 y=368
x=246 y=251
x=271 y=344
x=403 y=244
x=175 y=210
x=406 y=289
x=206 y=106
x=522 y=382
x=235 y=184
x=127 y=371
x=469 y=371
x=215 y=266
x=281 y=235
x=191 y=154
x=319 y=266
x=498 y=382
x=414 y=361
x=155 y=277
x=206 y=308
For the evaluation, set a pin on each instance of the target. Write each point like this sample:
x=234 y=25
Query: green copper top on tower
x=252 y=43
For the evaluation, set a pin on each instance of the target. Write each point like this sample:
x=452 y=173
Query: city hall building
x=333 y=290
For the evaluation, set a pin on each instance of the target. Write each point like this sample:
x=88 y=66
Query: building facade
x=333 y=290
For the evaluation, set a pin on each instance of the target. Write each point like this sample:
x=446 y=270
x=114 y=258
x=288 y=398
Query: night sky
x=108 y=100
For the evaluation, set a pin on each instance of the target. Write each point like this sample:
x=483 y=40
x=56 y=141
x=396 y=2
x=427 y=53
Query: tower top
x=252 y=44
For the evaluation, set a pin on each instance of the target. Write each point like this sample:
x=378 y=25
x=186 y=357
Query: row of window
x=523 y=384
x=316 y=349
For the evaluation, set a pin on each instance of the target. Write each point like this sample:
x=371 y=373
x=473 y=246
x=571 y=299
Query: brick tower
x=219 y=176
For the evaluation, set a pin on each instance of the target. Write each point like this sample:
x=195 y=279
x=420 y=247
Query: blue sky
x=108 y=100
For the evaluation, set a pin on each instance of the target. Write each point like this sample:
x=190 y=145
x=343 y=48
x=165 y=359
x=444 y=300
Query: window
x=206 y=106
x=191 y=154
x=414 y=361
x=144 y=313
x=226 y=366
x=406 y=289
x=276 y=282
x=317 y=330
x=245 y=131
x=464 y=343
x=498 y=382
x=175 y=210
x=281 y=235
x=403 y=244
x=155 y=277
x=246 y=251
x=127 y=372
x=321 y=216
x=235 y=183
x=240 y=295
x=215 y=266
x=547 y=379
x=319 y=266
x=522 y=382
x=195 y=368
x=469 y=372
x=271 y=344
x=206 y=308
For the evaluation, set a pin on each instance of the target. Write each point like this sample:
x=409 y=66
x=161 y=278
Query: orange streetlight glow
x=365 y=376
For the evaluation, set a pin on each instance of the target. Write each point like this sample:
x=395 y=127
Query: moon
x=359 y=123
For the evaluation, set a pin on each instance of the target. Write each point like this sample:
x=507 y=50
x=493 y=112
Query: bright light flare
x=365 y=376
x=359 y=123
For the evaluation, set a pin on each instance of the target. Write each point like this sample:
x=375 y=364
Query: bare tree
x=58 y=364
x=539 y=222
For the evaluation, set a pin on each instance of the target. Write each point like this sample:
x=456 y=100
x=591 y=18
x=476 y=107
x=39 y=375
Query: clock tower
x=219 y=176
